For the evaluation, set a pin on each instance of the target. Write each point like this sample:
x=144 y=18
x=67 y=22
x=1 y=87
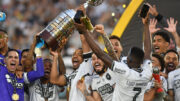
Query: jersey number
x=136 y=95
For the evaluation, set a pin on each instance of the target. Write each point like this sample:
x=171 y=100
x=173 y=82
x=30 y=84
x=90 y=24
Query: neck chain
x=13 y=82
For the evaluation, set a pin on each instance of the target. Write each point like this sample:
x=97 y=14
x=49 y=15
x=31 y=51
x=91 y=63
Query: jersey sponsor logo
x=141 y=84
x=176 y=75
x=177 y=84
x=108 y=77
x=106 y=89
x=120 y=71
x=132 y=84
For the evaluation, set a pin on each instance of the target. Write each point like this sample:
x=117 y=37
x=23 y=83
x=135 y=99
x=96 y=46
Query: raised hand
x=152 y=10
x=171 y=25
x=100 y=29
x=152 y=26
x=53 y=53
x=81 y=27
x=157 y=84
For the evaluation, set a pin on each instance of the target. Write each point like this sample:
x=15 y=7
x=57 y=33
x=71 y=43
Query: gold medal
x=15 y=97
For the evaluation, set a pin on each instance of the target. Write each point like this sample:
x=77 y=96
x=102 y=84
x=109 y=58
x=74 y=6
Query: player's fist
x=100 y=29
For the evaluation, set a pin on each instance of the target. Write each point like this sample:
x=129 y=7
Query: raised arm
x=55 y=78
x=34 y=75
x=62 y=68
x=85 y=45
x=29 y=60
x=96 y=49
x=147 y=39
x=107 y=42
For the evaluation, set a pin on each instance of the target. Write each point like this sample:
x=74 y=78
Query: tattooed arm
x=107 y=42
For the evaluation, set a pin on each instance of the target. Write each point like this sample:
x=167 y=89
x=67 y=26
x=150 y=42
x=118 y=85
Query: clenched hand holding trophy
x=60 y=29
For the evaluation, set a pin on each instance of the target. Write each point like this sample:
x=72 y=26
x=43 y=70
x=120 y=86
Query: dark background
x=133 y=33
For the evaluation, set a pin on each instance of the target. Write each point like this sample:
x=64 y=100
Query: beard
x=101 y=72
x=170 y=67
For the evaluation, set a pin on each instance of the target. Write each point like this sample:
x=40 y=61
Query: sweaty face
x=77 y=58
x=159 y=44
x=47 y=68
x=117 y=47
x=155 y=62
x=12 y=61
x=98 y=64
x=171 y=61
x=3 y=40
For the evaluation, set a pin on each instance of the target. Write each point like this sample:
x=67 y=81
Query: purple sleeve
x=34 y=75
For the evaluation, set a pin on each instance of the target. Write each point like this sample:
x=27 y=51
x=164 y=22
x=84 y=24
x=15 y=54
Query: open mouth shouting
x=98 y=66
x=75 y=62
x=46 y=72
x=157 y=49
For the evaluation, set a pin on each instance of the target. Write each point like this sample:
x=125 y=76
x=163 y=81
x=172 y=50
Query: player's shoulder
x=174 y=73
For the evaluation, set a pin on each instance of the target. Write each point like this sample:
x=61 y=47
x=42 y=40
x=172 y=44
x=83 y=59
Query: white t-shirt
x=75 y=93
x=174 y=83
x=70 y=78
x=36 y=90
x=104 y=85
x=131 y=84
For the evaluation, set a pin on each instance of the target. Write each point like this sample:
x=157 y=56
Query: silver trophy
x=60 y=29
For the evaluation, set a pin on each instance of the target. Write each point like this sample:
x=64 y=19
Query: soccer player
x=161 y=41
x=42 y=89
x=151 y=94
x=133 y=77
x=11 y=87
x=102 y=85
x=172 y=59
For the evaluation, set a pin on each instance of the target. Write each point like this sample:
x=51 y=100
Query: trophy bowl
x=61 y=28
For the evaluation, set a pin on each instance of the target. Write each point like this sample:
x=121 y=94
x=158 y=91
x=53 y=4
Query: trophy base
x=51 y=42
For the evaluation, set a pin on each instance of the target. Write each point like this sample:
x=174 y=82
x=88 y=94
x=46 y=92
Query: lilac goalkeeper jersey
x=6 y=88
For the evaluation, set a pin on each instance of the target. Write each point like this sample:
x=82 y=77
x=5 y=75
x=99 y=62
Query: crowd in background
x=27 y=17
x=130 y=77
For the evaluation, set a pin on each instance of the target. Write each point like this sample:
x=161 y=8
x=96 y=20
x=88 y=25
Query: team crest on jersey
x=108 y=76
